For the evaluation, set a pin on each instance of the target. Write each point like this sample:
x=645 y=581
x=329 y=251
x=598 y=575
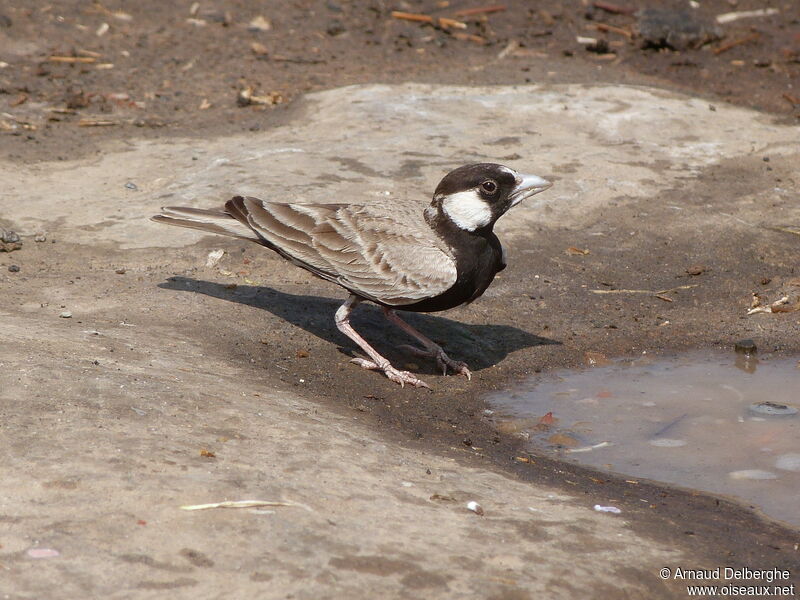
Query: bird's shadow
x=481 y=346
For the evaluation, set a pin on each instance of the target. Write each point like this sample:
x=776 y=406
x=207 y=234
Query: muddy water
x=726 y=424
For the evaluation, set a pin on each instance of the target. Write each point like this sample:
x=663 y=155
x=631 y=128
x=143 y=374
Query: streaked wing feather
x=291 y=239
x=393 y=258
x=386 y=256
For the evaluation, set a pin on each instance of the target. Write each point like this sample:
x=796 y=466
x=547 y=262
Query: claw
x=443 y=361
x=378 y=362
x=365 y=364
x=401 y=377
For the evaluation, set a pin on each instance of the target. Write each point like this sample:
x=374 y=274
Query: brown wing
x=389 y=256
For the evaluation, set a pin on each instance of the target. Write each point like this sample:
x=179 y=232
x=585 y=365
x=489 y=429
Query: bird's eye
x=489 y=186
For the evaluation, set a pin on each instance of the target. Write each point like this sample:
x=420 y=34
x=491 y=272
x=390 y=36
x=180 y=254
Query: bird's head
x=474 y=196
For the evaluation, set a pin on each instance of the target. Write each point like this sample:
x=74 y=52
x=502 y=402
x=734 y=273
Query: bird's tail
x=213 y=221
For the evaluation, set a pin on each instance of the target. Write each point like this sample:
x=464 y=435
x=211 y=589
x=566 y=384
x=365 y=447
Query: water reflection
x=727 y=424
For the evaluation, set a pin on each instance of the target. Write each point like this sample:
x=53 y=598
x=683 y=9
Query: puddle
x=726 y=424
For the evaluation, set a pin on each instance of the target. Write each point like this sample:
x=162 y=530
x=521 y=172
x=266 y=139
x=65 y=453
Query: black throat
x=478 y=255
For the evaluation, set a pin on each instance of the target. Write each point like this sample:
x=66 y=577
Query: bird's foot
x=396 y=375
x=442 y=360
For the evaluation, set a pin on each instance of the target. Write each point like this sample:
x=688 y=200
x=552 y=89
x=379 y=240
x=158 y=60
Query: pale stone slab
x=370 y=143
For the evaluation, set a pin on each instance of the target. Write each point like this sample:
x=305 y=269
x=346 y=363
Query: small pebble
x=131 y=186
x=13 y=268
x=335 y=28
x=66 y=315
x=675 y=29
x=475 y=507
x=259 y=23
x=40 y=237
x=667 y=443
x=42 y=553
x=120 y=271
x=562 y=439
x=214 y=257
x=695 y=270
x=609 y=509
x=773 y=409
x=745 y=347
x=8 y=236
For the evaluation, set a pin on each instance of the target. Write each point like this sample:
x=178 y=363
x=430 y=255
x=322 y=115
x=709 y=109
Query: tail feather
x=212 y=221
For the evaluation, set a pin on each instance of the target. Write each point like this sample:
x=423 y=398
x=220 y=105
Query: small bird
x=399 y=255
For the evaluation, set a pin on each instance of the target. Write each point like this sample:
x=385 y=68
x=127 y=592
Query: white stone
x=788 y=462
x=752 y=474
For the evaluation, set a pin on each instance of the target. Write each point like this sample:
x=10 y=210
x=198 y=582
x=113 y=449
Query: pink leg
x=432 y=349
x=378 y=362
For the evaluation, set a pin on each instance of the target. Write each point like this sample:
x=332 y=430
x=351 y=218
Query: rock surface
x=602 y=146
x=105 y=415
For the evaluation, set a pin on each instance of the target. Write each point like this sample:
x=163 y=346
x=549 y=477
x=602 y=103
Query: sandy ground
x=167 y=382
x=73 y=75
x=176 y=383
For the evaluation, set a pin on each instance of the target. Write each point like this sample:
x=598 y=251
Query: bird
x=397 y=254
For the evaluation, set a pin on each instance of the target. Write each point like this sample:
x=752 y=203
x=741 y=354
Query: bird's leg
x=378 y=362
x=432 y=349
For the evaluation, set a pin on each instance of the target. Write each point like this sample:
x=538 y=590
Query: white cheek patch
x=467 y=210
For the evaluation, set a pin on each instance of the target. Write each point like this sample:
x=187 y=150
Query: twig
x=612 y=29
x=241 y=504
x=406 y=16
x=794 y=230
x=72 y=59
x=459 y=35
x=793 y=100
x=732 y=44
x=650 y=292
x=442 y=22
x=511 y=47
x=483 y=10
x=775 y=307
x=744 y=14
x=446 y=23
x=299 y=61
x=615 y=9
x=96 y=123
x=588 y=448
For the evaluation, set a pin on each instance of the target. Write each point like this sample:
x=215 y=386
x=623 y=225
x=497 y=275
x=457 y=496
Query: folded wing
x=393 y=258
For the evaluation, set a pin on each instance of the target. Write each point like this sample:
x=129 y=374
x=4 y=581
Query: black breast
x=479 y=257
